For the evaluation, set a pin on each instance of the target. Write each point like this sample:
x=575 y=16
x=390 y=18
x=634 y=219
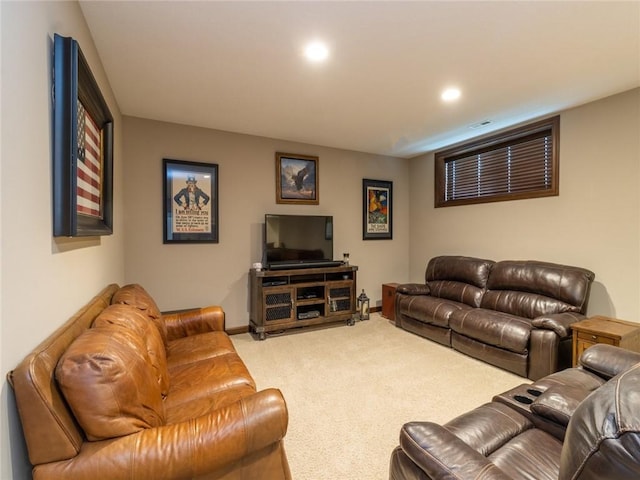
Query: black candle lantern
x=363 y=306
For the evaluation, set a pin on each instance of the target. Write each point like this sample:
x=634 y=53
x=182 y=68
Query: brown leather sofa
x=121 y=391
x=582 y=423
x=516 y=315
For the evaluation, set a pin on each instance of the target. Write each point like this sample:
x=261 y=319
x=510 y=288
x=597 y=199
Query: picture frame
x=297 y=179
x=82 y=147
x=377 y=209
x=190 y=202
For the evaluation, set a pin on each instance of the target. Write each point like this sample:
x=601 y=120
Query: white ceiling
x=238 y=66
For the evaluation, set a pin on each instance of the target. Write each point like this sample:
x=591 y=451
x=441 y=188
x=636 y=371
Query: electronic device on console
x=298 y=241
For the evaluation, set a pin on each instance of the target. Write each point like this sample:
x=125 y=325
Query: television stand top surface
x=310 y=264
x=306 y=269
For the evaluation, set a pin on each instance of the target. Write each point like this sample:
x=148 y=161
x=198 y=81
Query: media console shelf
x=284 y=299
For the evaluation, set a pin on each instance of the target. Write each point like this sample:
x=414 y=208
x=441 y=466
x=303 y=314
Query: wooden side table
x=599 y=329
x=389 y=300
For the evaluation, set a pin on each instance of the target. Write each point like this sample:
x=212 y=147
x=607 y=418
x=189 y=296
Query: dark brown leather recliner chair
x=498 y=442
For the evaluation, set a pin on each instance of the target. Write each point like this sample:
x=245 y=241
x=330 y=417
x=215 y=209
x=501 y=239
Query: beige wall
x=593 y=223
x=44 y=280
x=180 y=275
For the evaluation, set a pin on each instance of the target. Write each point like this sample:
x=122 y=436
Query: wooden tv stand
x=285 y=299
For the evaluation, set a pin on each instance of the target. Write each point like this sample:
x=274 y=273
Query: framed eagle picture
x=297 y=179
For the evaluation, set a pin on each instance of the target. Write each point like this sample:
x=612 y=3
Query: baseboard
x=245 y=329
x=237 y=330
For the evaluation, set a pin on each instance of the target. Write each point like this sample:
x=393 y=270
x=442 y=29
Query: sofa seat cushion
x=203 y=405
x=427 y=309
x=198 y=347
x=494 y=328
x=204 y=378
x=108 y=381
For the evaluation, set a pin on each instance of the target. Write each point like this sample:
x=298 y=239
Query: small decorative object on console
x=363 y=306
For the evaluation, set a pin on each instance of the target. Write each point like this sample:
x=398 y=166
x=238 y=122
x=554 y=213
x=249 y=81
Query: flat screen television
x=298 y=241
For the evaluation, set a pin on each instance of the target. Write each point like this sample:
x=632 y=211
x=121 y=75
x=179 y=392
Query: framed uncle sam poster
x=377 y=213
x=82 y=147
x=190 y=196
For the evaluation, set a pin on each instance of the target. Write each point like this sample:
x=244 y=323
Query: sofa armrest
x=190 y=449
x=558 y=322
x=414 y=289
x=192 y=322
x=608 y=361
x=440 y=454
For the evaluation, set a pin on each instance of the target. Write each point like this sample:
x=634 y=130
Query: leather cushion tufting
x=129 y=317
x=136 y=296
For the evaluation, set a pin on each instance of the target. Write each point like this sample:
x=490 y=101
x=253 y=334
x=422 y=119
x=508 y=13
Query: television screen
x=297 y=240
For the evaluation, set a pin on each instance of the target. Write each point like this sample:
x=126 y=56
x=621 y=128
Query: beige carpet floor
x=350 y=389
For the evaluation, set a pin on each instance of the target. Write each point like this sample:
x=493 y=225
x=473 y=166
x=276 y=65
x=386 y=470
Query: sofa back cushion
x=462 y=279
x=136 y=296
x=109 y=383
x=604 y=432
x=530 y=289
x=126 y=316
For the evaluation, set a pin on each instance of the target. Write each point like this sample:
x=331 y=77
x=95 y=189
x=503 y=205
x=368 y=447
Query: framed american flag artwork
x=82 y=147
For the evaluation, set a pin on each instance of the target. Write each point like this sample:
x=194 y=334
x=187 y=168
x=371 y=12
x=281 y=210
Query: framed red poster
x=377 y=213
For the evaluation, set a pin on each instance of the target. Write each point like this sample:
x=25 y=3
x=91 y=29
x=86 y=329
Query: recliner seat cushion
x=493 y=328
x=534 y=454
x=429 y=309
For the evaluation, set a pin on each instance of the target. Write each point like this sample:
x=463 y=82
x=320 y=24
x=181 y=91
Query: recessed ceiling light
x=316 y=52
x=450 y=94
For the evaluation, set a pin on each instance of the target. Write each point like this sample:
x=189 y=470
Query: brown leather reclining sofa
x=121 y=391
x=516 y=315
x=581 y=423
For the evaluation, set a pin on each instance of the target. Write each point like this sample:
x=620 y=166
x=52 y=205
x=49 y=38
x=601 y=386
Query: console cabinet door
x=340 y=298
x=278 y=304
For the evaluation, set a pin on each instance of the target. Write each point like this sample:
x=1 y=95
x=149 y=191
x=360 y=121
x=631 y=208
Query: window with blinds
x=520 y=163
